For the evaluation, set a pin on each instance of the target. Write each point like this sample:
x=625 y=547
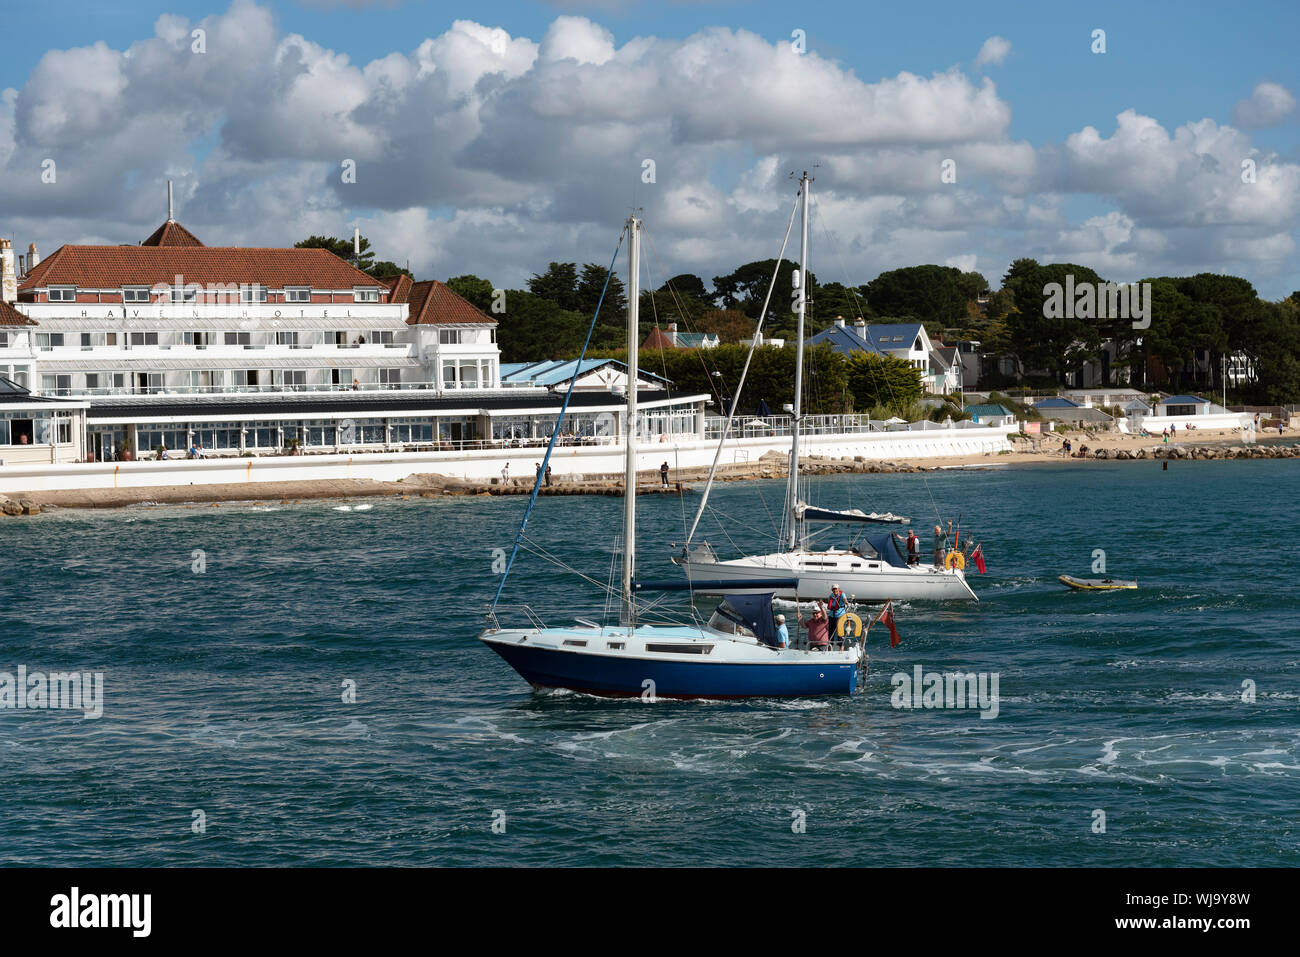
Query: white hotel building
x=263 y=350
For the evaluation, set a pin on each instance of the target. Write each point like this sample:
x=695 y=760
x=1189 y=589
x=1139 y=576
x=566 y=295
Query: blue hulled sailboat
x=733 y=655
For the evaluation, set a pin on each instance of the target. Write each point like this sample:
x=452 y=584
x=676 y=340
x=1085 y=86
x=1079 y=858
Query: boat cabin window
x=575 y=643
x=722 y=623
x=681 y=649
x=614 y=645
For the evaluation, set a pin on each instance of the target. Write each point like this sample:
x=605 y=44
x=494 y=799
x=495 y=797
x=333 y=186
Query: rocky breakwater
x=22 y=506
x=1201 y=452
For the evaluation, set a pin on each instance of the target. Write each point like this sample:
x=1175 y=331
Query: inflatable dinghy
x=1096 y=584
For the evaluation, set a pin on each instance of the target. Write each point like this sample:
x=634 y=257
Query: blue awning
x=887 y=547
x=752 y=611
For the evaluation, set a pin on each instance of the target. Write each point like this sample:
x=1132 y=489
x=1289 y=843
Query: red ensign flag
x=887 y=618
x=977 y=557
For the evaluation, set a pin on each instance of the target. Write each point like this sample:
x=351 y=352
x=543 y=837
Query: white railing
x=754 y=426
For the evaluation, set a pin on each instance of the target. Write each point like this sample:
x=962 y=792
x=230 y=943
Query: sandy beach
x=1043 y=450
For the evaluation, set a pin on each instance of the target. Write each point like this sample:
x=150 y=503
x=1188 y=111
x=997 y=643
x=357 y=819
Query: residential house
x=672 y=339
x=991 y=414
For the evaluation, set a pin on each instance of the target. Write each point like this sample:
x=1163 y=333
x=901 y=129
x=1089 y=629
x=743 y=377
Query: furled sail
x=809 y=514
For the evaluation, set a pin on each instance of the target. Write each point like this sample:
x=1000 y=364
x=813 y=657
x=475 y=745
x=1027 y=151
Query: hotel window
x=449 y=337
x=382 y=337
x=144 y=338
x=106 y=381
x=244 y=378
x=64 y=294
x=46 y=341
x=252 y=293
x=199 y=340
x=297 y=295
x=4 y=340
x=135 y=294
x=63 y=431
x=341 y=377
x=392 y=378
x=56 y=384
x=201 y=380
x=239 y=338
x=365 y=295
x=148 y=382
x=286 y=339
x=294 y=378
x=188 y=293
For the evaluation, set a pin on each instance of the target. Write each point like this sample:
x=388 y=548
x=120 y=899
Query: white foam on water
x=597 y=735
x=363 y=508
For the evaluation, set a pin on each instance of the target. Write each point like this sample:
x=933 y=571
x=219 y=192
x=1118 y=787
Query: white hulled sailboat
x=874 y=570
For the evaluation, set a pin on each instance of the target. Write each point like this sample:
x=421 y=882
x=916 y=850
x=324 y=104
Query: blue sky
x=1176 y=63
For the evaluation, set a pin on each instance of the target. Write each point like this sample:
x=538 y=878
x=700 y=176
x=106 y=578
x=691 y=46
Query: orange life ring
x=954 y=559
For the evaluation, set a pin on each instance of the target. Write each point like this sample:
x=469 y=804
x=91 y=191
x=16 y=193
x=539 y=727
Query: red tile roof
x=9 y=316
x=433 y=303
x=399 y=287
x=658 y=339
x=108 y=267
x=172 y=233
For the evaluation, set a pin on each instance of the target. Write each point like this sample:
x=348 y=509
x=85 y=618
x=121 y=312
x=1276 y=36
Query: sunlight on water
x=318 y=689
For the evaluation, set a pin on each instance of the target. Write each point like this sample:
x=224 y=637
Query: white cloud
x=994 y=51
x=1268 y=105
x=481 y=151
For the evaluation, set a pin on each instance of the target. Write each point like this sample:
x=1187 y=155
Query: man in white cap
x=836 y=606
x=782 y=634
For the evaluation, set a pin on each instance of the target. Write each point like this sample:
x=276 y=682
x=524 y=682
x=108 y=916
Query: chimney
x=33 y=257
x=861 y=325
x=8 y=278
x=839 y=321
x=171 y=209
x=356 y=244
x=672 y=334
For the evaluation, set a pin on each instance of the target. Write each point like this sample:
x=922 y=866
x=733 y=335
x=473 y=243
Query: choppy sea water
x=223 y=689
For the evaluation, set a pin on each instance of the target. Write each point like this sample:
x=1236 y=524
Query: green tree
x=835 y=299
x=934 y=295
x=477 y=291
x=885 y=381
x=746 y=288
x=533 y=328
x=559 y=284
x=589 y=287
x=344 y=250
x=729 y=325
x=1041 y=338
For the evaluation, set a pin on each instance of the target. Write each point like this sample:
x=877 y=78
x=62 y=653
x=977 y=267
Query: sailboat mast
x=628 y=616
x=792 y=485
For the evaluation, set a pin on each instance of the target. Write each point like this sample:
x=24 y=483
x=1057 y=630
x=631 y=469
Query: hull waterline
x=873 y=581
x=543 y=663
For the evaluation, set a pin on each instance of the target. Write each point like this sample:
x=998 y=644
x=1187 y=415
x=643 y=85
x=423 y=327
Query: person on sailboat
x=836 y=605
x=782 y=633
x=941 y=543
x=818 y=629
x=913 y=548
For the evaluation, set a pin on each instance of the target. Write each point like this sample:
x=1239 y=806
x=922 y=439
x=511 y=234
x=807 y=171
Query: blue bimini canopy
x=886 y=546
x=753 y=612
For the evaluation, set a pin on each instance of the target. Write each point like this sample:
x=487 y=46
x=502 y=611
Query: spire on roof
x=172 y=233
